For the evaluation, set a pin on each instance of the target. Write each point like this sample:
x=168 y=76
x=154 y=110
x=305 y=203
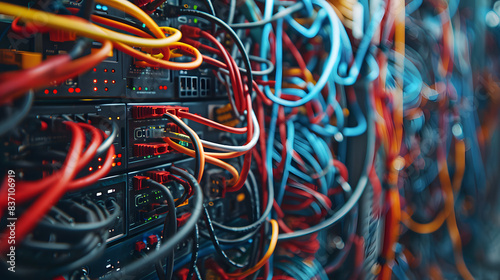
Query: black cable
x=169 y=227
x=174 y=11
x=158 y=267
x=87 y=9
x=56 y=258
x=198 y=275
x=254 y=205
x=210 y=7
x=168 y=245
x=183 y=197
x=48 y=272
x=226 y=241
x=253 y=259
x=83 y=227
x=80 y=46
x=215 y=241
x=194 y=253
x=16 y=116
x=281 y=14
x=188 y=132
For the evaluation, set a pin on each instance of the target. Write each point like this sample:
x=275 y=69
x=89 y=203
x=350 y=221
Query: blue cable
x=331 y=63
x=363 y=48
x=288 y=160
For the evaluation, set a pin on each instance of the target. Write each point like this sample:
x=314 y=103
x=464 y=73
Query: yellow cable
x=154 y=62
x=87 y=29
x=263 y=261
x=442 y=216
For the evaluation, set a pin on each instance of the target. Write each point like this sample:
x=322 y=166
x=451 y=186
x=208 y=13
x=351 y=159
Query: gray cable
x=281 y=14
x=232 y=10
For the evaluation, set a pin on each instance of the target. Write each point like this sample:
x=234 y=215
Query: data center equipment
x=249 y=139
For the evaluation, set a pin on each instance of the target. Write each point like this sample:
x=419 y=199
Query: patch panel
x=188 y=86
x=146 y=202
x=146 y=128
x=103 y=193
x=127 y=251
x=105 y=80
x=98 y=115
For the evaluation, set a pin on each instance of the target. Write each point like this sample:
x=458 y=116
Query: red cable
x=211 y=123
x=42 y=205
x=27 y=190
x=236 y=80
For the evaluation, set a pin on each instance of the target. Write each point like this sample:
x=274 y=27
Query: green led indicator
x=143 y=25
x=133 y=88
x=145 y=88
x=195 y=20
x=195 y=7
x=149 y=156
x=159 y=156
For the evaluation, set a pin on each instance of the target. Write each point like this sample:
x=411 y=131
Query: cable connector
x=139 y=182
x=190 y=31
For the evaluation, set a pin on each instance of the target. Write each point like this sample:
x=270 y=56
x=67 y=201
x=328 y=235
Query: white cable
x=226 y=148
x=248 y=146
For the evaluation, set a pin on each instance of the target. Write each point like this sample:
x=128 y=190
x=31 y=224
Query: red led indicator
x=71 y=90
x=112 y=70
x=90 y=168
x=46 y=91
x=140 y=88
x=164 y=87
x=99 y=159
x=95 y=88
x=119 y=155
x=105 y=81
x=105 y=70
x=77 y=90
x=55 y=91
x=119 y=163
x=95 y=81
x=113 y=81
x=105 y=89
x=160 y=87
x=95 y=69
x=100 y=166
